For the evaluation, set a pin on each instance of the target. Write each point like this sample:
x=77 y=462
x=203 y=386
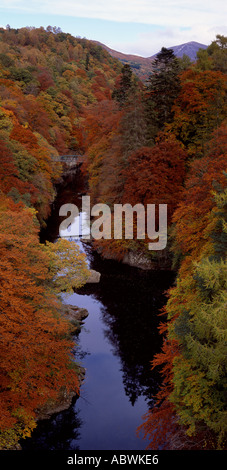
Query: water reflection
x=60 y=432
x=130 y=302
x=116 y=346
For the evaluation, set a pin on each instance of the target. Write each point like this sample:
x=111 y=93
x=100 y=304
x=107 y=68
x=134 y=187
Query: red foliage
x=45 y=79
x=24 y=136
x=155 y=175
x=192 y=214
x=59 y=142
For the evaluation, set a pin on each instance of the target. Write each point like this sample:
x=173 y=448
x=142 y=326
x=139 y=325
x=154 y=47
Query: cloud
x=176 y=13
x=148 y=43
x=139 y=27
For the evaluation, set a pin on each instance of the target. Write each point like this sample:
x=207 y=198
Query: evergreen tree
x=163 y=87
x=122 y=88
x=200 y=371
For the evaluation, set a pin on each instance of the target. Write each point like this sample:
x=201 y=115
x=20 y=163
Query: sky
x=140 y=27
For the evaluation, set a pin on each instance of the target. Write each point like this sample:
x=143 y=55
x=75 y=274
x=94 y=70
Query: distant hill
x=142 y=66
x=189 y=48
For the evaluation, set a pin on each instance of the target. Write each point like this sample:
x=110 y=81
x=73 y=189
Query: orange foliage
x=193 y=227
x=34 y=349
x=192 y=214
x=199 y=108
x=24 y=136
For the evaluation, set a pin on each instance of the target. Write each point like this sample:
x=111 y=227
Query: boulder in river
x=75 y=316
x=138 y=260
x=94 y=277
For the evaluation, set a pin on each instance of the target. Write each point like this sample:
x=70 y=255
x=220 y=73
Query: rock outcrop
x=94 y=277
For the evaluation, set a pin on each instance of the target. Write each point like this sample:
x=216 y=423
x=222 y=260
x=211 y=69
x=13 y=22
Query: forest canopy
x=162 y=141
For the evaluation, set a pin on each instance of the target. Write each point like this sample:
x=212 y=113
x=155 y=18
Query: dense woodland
x=162 y=141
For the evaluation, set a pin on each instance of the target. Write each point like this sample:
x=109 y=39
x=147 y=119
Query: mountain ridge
x=142 y=66
x=188 y=48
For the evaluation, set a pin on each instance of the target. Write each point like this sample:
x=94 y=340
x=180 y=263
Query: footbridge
x=70 y=160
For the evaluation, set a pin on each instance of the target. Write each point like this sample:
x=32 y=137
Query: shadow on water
x=131 y=300
x=116 y=346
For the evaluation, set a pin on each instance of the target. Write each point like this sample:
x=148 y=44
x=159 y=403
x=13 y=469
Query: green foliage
x=200 y=371
x=215 y=56
x=122 y=88
x=198 y=306
x=219 y=233
x=6 y=61
x=21 y=75
x=25 y=162
x=56 y=98
x=68 y=265
x=184 y=62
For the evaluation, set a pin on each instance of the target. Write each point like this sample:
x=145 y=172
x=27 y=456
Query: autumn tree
x=35 y=347
x=199 y=109
x=45 y=90
x=67 y=266
x=193 y=357
x=155 y=175
x=10 y=181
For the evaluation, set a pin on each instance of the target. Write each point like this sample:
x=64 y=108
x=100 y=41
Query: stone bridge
x=70 y=160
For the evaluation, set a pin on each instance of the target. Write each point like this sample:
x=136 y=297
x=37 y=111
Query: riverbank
x=136 y=258
x=75 y=316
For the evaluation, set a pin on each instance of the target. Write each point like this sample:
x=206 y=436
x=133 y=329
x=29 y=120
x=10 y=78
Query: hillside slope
x=47 y=79
x=141 y=66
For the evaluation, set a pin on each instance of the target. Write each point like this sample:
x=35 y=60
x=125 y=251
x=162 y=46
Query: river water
x=116 y=345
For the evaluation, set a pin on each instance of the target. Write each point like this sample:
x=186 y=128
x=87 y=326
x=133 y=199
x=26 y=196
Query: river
x=116 y=345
